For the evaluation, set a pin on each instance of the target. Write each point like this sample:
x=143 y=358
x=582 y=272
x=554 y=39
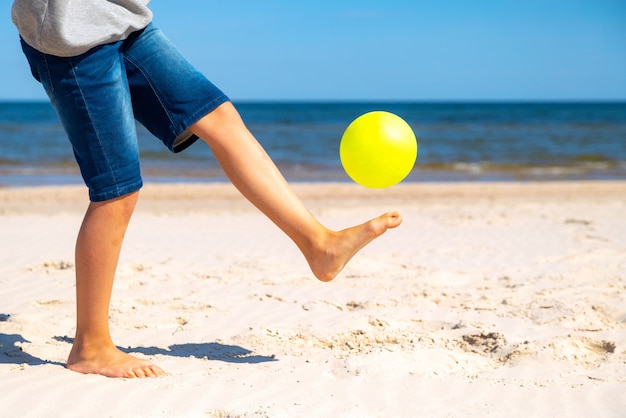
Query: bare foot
x=111 y=362
x=330 y=256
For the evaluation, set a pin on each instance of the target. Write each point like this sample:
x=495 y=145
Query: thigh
x=168 y=93
x=91 y=96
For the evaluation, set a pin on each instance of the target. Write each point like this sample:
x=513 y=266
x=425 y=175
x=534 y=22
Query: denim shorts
x=98 y=96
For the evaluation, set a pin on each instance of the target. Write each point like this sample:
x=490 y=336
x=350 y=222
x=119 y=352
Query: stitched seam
x=156 y=91
x=106 y=156
x=48 y=75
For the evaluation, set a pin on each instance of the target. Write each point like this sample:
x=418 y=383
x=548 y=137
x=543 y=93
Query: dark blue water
x=457 y=141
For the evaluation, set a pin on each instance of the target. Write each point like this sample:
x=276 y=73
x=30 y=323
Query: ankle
x=85 y=345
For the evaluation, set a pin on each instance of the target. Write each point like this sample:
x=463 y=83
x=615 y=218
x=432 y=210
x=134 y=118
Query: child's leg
x=97 y=253
x=172 y=92
x=252 y=171
x=91 y=95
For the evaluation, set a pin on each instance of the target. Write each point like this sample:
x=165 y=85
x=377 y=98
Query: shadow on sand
x=11 y=352
x=209 y=351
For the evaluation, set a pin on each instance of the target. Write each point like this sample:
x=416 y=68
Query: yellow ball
x=378 y=149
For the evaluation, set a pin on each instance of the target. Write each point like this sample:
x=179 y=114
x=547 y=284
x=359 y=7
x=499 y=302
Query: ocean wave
x=457 y=141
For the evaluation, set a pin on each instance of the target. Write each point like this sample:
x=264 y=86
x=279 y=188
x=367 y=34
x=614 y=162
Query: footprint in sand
x=582 y=351
x=485 y=342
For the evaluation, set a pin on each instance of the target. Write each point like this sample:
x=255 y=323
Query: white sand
x=490 y=300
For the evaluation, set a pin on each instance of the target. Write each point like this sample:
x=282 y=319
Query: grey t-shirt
x=67 y=28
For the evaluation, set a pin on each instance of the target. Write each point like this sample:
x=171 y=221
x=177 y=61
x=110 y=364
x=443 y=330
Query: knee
x=120 y=207
x=222 y=123
x=128 y=202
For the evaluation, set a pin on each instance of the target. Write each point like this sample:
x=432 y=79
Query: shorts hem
x=179 y=145
x=115 y=192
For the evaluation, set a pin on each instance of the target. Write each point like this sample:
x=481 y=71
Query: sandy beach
x=491 y=299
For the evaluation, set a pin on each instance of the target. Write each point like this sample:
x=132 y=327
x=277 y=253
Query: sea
x=457 y=141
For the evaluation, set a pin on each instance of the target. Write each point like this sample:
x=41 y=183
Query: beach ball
x=378 y=149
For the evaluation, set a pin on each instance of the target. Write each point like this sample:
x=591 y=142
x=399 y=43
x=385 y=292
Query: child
x=103 y=65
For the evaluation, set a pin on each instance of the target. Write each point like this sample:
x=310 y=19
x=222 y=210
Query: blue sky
x=391 y=50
